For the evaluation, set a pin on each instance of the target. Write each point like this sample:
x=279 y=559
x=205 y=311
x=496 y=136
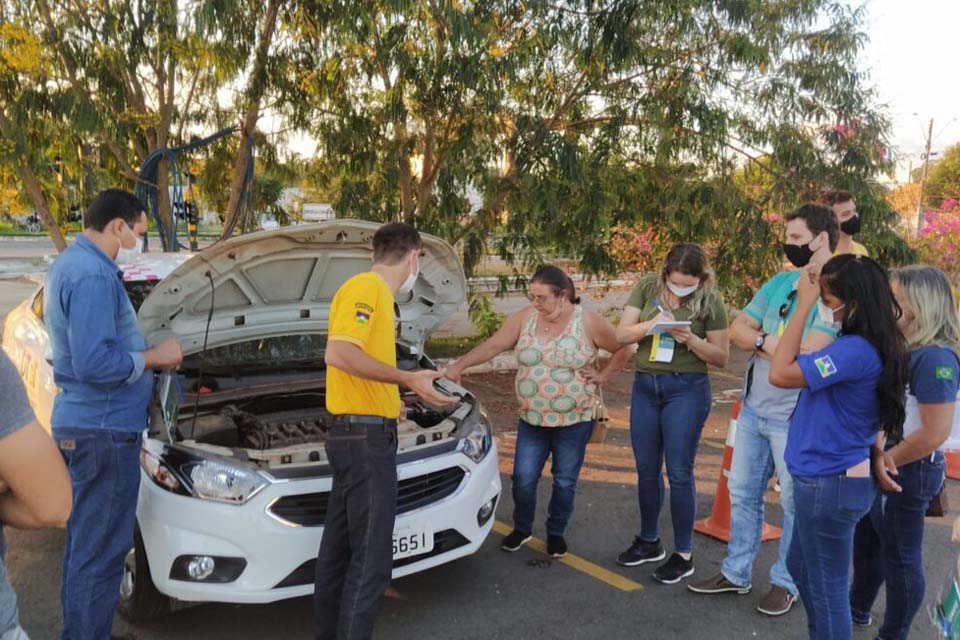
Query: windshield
x=288 y=352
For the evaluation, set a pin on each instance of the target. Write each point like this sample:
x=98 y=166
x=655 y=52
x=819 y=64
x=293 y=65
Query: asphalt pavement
x=521 y=595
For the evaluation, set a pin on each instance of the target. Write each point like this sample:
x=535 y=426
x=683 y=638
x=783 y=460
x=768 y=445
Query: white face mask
x=407 y=285
x=681 y=292
x=826 y=314
x=126 y=256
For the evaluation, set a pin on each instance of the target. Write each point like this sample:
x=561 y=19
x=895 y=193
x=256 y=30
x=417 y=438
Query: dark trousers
x=104 y=470
x=888 y=545
x=568 y=446
x=356 y=552
x=828 y=509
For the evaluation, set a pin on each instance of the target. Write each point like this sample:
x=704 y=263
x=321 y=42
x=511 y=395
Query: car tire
x=139 y=598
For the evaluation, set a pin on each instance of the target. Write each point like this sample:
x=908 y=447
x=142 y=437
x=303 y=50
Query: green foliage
x=451 y=347
x=547 y=124
x=568 y=119
x=943 y=182
x=484 y=315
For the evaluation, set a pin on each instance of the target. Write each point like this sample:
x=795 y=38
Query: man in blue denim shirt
x=103 y=368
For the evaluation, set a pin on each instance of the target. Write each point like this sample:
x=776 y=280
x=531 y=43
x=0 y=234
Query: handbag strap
x=596 y=366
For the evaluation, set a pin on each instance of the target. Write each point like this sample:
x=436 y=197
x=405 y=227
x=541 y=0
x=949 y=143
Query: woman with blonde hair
x=671 y=396
x=889 y=539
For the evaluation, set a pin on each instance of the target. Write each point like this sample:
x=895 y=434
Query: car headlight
x=188 y=474
x=225 y=483
x=477 y=436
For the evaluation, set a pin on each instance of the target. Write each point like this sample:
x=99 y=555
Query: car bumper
x=278 y=553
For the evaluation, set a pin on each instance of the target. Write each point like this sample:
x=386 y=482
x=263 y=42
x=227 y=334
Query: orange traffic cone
x=953 y=463
x=717 y=525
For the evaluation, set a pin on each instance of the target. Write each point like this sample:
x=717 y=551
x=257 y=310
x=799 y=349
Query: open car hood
x=282 y=282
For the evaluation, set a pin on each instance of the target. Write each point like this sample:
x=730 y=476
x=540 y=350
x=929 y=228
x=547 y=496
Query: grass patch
x=451 y=347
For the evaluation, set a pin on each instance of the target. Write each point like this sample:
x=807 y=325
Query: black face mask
x=798 y=254
x=851 y=226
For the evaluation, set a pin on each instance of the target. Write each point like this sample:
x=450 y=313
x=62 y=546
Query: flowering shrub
x=632 y=248
x=939 y=240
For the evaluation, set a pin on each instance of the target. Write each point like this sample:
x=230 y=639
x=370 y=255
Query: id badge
x=662 y=348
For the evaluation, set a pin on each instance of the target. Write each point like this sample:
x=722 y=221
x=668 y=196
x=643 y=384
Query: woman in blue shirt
x=852 y=389
x=888 y=542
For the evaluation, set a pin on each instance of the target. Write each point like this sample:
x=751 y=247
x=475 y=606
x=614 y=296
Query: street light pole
x=923 y=176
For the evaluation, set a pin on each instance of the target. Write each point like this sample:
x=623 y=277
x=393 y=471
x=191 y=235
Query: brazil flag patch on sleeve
x=944 y=373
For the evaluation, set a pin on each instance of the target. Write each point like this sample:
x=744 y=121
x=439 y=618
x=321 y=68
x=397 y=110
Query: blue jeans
x=757 y=452
x=104 y=467
x=667 y=414
x=568 y=445
x=828 y=509
x=888 y=548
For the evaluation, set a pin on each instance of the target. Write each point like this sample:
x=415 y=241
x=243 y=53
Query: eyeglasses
x=538 y=299
x=786 y=306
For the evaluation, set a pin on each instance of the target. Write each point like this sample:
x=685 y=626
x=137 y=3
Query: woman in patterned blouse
x=557 y=343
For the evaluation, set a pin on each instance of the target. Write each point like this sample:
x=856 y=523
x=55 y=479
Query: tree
x=574 y=117
x=943 y=182
x=26 y=115
x=133 y=78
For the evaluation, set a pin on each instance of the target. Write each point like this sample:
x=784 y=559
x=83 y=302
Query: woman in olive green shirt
x=671 y=396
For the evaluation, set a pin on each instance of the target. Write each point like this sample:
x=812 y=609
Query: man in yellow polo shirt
x=846 y=210
x=356 y=553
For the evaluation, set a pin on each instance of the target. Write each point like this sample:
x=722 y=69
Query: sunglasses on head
x=785 y=307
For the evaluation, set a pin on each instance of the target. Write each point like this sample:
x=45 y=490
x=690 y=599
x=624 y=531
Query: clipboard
x=662 y=327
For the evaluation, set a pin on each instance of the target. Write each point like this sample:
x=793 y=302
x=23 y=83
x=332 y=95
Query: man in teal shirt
x=811 y=238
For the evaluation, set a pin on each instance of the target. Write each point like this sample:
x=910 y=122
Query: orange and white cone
x=952 y=457
x=717 y=524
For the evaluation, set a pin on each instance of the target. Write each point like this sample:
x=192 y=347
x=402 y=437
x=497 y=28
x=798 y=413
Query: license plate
x=412 y=541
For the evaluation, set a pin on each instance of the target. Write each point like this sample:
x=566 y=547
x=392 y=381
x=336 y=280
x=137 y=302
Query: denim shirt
x=97 y=344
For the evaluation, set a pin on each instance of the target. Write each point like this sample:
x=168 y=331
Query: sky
x=912 y=61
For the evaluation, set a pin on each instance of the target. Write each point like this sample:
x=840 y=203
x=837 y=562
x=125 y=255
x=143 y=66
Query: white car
x=235 y=480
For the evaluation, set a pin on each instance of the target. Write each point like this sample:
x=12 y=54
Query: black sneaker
x=556 y=546
x=515 y=540
x=862 y=619
x=641 y=552
x=674 y=570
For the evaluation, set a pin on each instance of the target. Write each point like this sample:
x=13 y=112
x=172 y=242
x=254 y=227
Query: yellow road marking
x=578 y=563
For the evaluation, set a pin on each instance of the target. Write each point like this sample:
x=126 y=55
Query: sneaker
x=515 y=540
x=674 y=570
x=777 y=602
x=717 y=584
x=862 y=619
x=556 y=546
x=641 y=552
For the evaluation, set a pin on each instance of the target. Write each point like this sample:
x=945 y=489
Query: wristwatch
x=758 y=343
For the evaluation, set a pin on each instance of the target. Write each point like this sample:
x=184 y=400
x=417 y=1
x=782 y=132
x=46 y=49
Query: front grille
x=310 y=509
x=443 y=541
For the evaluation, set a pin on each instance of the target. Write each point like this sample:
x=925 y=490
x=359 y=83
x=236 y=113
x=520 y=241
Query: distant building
x=316 y=212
